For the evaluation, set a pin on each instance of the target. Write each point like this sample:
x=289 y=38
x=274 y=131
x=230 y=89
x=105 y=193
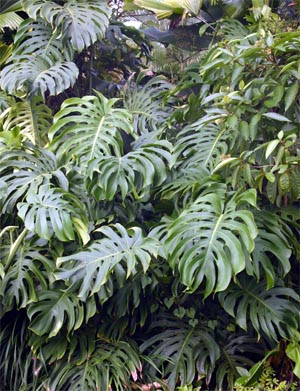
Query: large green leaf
x=201 y=144
x=209 y=237
x=25 y=170
x=78 y=347
x=89 y=127
x=32 y=75
x=36 y=37
x=127 y=307
x=132 y=173
x=186 y=185
x=110 y=366
x=181 y=352
x=145 y=102
x=88 y=270
x=271 y=311
x=272 y=250
x=17 y=363
x=54 y=310
x=52 y=211
x=83 y=21
x=32 y=117
x=237 y=353
x=27 y=272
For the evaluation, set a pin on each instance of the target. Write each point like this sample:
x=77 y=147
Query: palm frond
x=11 y=6
x=88 y=270
x=5 y=53
x=10 y=20
x=83 y=21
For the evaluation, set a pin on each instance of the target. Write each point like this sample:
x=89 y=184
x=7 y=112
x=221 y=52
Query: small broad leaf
x=253 y=126
x=277 y=117
x=12 y=138
x=88 y=270
x=270 y=177
x=284 y=182
x=290 y=95
x=293 y=352
x=278 y=94
x=271 y=146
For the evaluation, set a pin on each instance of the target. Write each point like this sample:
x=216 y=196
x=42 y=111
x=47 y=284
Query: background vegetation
x=149 y=213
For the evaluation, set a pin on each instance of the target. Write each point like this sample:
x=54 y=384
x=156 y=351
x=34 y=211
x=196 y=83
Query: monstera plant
x=148 y=240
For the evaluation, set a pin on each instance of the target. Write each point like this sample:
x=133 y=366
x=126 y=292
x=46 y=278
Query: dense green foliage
x=149 y=229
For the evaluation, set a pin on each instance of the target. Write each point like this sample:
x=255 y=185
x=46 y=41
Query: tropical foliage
x=149 y=229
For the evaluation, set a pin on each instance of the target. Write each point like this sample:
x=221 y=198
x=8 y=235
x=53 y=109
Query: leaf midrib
x=99 y=128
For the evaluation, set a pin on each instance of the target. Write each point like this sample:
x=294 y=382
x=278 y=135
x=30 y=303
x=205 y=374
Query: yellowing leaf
x=162 y=8
x=193 y=6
